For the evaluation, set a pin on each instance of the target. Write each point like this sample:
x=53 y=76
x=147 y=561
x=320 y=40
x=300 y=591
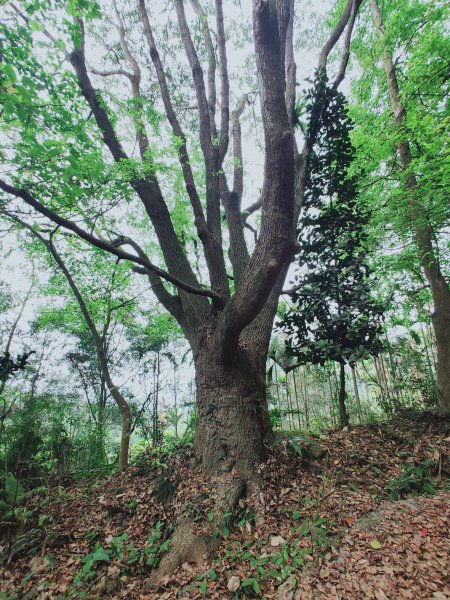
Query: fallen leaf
x=375 y=544
x=286 y=589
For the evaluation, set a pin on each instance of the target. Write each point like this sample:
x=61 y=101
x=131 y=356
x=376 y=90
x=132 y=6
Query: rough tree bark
x=233 y=424
x=423 y=232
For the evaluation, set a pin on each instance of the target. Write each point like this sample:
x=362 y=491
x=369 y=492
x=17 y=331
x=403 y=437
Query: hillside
x=324 y=528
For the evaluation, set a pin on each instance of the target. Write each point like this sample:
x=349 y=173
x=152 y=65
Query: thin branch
x=291 y=291
x=135 y=81
x=183 y=156
x=238 y=173
x=291 y=67
x=199 y=83
x=110 y=73
x=45 y=31
x=211 y=64
x=252 y=209
x=208 y=229
x=224 y=84
x=335 y=35
x=348 y=38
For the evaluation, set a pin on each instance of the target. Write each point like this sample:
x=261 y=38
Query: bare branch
x=238 y=173
x=110 y=73
x=335 y=35
x=291 y=67
x=191 y=189
x=251 y=209
x=211 y=65
x=45 y=31
x=77 y=58
x=218 y=274
x=199 y=83
x=135 y=81
x=171 y=303
x=224 y=84
x=213 y=251
x=276 y=244
x=147 y=188
x=348 y=38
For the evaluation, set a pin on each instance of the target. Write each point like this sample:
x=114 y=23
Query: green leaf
x=10 y=73
x=376 y=545
x=297 y=447
x=101 y=555
x=429 y=488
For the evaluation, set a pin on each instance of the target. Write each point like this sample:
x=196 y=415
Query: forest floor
x=324 y=529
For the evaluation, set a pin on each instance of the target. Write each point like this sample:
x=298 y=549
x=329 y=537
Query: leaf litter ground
x=315 y=529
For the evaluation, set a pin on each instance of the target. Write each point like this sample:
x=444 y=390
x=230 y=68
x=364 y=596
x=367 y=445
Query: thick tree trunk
x=343 y=416
x=233 y=424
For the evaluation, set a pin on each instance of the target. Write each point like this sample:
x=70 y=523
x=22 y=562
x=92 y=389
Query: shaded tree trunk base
x=232 y=439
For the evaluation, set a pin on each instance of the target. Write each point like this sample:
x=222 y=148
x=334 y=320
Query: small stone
x=276 y=541
x=233 y=583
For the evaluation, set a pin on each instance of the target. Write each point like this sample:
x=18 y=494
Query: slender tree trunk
x=289 y=401
x=358 y=399
x=124 y=408
x=331 y=400
x=343 y=416
x=432 y=343
x=422 y=230
x=277 y=390
x=101 y=419
x=427 y=352
x=393 y=373
x=297 y=402
x=305 y=396
x=175 y=399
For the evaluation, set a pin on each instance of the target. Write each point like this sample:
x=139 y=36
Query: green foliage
x=417 y=36
x=415 y=480
x=118 y=550
x=334 y=315
x=307 y=537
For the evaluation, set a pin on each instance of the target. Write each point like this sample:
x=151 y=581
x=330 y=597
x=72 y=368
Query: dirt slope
x=315 y=529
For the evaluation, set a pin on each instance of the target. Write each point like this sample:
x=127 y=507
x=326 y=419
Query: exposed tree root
x=187 y=544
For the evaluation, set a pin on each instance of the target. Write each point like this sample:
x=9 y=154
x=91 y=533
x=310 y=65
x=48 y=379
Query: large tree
x=61 y=131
